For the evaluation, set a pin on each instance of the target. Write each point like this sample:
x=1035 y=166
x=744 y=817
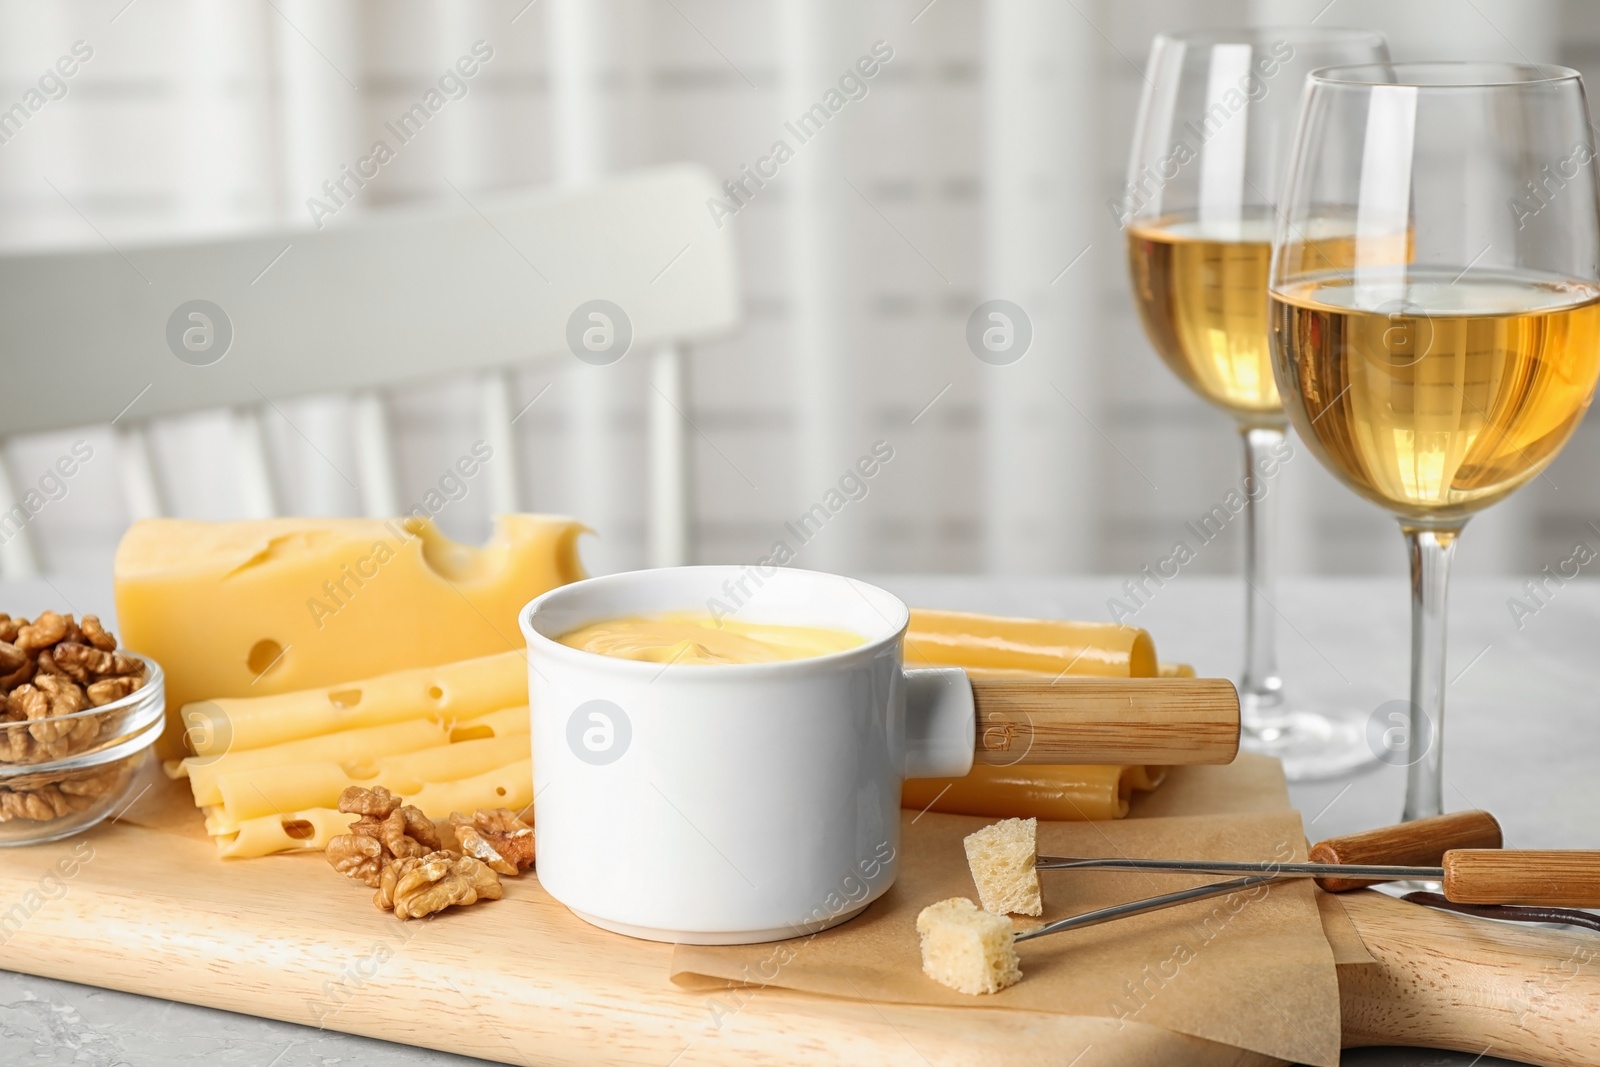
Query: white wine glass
x=1450 y=355
x=1210 y=148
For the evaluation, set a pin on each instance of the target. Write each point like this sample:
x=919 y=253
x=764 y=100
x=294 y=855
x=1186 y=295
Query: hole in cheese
x=450 y=560
x=360 y=768
x=470 y=733
x=435 y=693
x=299 y=829
x=344 y=699
x=264 y=655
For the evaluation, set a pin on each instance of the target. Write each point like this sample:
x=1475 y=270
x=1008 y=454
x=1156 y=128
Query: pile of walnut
x=53 y=795
x=394 y=848
x=52 y=667
x=55 y=666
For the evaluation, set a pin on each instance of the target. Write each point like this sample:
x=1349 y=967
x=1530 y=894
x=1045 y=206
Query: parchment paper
x=1343 y=937
x=1253 y=970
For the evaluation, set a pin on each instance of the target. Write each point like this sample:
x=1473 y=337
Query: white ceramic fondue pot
x=732 y=804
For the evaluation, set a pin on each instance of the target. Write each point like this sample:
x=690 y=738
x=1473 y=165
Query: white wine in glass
x=1201 y=293
x=1200 y=211
x=1445 y=411
x=1450 y=359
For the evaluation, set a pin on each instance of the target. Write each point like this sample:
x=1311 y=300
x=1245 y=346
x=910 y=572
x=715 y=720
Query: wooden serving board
x=149 y=908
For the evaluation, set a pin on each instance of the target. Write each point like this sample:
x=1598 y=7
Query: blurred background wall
x=979 y=164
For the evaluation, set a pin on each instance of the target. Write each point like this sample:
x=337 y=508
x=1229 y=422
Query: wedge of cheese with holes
x=236 y=609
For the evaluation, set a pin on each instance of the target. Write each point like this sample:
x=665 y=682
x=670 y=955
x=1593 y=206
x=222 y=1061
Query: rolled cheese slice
x=294 y=831
x=251 y=794
x=504 y=787
x=999 y=646
x=352 y=749
x=458 y=690
x=206 y=774
x=240 y=609
x=1068 y=793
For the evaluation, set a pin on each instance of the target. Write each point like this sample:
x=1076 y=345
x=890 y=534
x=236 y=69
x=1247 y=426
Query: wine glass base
x=1312 y=745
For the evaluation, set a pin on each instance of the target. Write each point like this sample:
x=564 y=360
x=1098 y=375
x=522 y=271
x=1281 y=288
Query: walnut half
x=497 y=837
x=53 y=667
x=395 y=848
x=441 y=879
x=377 y=802
x=43 y=797
x=387 y=831
x=356 y=856
x=408 y=832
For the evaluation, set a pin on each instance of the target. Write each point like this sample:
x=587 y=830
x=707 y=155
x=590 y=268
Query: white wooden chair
x=395 y=296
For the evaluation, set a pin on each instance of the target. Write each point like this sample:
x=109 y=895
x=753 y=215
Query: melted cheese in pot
x=698 y=638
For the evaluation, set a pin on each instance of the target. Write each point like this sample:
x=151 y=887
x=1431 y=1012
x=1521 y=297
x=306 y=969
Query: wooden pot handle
x=1419 y=843
x=1157 y=721
x=1562 y=878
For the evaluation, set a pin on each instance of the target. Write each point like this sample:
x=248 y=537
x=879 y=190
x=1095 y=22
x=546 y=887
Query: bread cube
x=969 y=950
x=1001 y=857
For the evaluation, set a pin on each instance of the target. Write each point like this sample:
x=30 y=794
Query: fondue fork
x=1139 y=907
x=1375 y=872
x=1473 y=867
x=1461 y=850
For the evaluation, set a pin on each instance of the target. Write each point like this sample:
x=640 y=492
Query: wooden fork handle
x=1419 y=843
x=1564 y=878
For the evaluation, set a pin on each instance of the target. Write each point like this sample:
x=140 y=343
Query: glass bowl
x=63 y=774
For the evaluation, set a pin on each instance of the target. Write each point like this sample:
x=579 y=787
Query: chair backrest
x=390 y=297
x=394 y=296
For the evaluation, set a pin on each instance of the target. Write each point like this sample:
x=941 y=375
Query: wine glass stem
x=1430 y=550
x=1261 y=704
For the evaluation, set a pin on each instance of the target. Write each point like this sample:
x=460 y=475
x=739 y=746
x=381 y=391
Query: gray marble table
x=1523 y=740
